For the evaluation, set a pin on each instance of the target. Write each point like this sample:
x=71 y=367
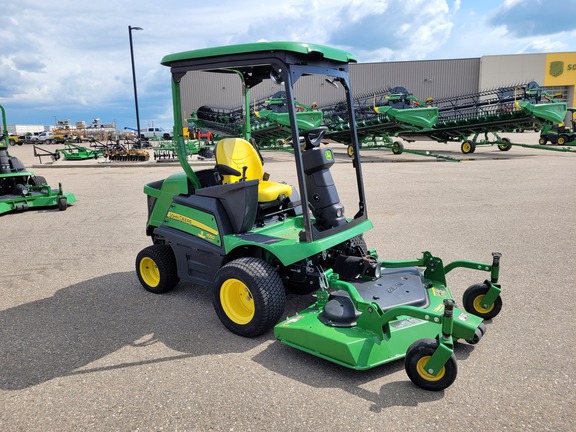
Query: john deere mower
x=251 y=239
x=20 y=189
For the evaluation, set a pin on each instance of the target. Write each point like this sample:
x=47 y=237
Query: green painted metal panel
x=553 y=111
x=295 y=47
x=285 y=243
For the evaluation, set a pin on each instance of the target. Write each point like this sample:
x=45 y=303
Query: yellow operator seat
x=239 y=154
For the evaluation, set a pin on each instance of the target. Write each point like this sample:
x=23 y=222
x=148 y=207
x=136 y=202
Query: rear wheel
x=468 y=146
x=416 y=358
x=37 y=181
x=156 y=268
x=248 y=296
x=473 y=302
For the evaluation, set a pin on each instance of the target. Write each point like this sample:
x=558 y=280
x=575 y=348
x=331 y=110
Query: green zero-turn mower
x=252 y=239
x=20 y=189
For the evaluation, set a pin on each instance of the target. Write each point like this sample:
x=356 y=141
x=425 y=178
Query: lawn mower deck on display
x=252 y=239
x=20 y=189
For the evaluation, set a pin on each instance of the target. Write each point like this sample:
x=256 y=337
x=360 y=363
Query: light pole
x=130 y=28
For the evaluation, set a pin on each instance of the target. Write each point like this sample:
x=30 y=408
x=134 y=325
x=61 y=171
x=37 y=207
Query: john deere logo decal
x=556 y=68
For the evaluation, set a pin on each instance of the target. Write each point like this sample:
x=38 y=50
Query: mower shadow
x=322 y=374
x=82 y=323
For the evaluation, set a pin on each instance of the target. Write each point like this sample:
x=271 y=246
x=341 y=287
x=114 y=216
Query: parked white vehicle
x=155 y=132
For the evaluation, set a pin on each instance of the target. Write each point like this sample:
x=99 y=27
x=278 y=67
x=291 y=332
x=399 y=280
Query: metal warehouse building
x=555 y=72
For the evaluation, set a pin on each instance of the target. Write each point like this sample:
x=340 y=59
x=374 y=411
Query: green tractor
x=20 y=189
x=252 y=240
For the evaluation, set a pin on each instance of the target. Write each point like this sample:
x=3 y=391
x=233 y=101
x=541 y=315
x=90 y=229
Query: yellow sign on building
x=560 y=69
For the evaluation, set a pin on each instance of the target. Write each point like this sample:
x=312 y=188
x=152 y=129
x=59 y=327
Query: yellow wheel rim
x=478 y=305
x=149 y=272
x=350 y=150
x=466 y=147
x=424 y=374
x=237 y=301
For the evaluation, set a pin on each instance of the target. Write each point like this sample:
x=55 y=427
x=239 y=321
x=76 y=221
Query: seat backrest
x=238 y=153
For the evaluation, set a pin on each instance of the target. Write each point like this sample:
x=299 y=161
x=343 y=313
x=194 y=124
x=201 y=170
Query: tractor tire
x=542 y=140
x=468 y=147
x=156 y=268
x=248 y=296
x=397 y=148
x=505 y=146
x=562 y=139
x=418 y=355
x=37 y=181
x=472 y=302
x=350 y=151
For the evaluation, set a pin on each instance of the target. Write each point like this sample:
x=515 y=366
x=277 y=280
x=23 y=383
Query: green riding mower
x=20 y=189
x=252 y=240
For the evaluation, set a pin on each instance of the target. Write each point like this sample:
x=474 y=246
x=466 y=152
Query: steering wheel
x=313 y=137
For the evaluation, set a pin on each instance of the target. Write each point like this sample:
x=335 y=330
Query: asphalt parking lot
x=84 y=347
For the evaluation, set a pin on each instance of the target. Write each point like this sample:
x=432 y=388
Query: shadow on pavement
x=322 y=374
x=80 y=324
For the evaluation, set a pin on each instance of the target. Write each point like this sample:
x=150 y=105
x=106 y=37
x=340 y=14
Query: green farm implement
x=20 y=189
x=250 y=239
x=70 y=151
x=466 y=118
x=166 y=151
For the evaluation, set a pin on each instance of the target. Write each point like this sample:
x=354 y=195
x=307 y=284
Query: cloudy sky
x=70 y=59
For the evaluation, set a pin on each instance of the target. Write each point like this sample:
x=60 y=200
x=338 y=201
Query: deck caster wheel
x=416 y=358
x=156 y=268
x=62 y=203
x=468 y=147
x=397 y=148
x=248 y=296
x=472 y=301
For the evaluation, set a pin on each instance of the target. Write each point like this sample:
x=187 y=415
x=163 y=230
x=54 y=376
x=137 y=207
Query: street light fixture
x=130 y=28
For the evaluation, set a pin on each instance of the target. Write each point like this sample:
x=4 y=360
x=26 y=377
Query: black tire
x=542 y=140
x=248 y=296
x=397 y=148
x=156 y=268
x=468 y=147
x=37 y=181
x=472 y=299
x=562 y=139
x=62 y=203
x=350 y=151
x=417 y=356
x=505 y=146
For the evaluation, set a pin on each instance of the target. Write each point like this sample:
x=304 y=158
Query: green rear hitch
x=445 y=342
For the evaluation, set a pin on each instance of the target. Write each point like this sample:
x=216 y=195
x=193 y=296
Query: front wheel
x=156 y=268
x=562 y=139
x=542 y=140
x=416 y=358
x=472 y=301
x=248 y=296
x=350 y=151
